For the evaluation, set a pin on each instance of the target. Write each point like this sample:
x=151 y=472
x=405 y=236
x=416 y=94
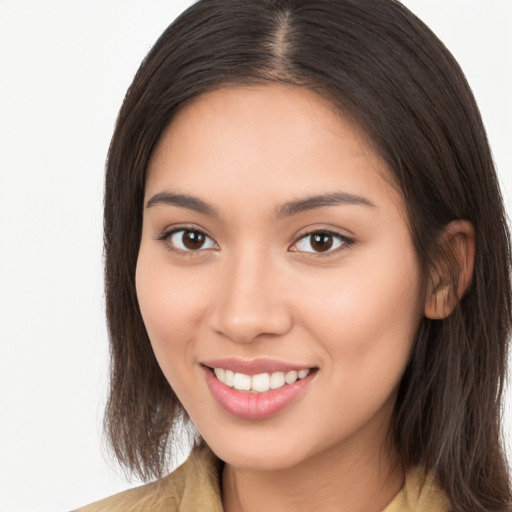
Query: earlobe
x=453 y=274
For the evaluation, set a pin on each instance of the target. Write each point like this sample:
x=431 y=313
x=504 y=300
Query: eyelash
x=167 y=236
x=343 y=241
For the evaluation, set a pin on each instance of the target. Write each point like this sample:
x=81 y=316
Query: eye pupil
x=193 y=240
x=321 y=242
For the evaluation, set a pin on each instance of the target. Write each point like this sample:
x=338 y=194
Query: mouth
x=261 y=382
x=245 y=391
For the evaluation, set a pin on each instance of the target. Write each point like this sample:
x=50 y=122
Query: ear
x=454 y=273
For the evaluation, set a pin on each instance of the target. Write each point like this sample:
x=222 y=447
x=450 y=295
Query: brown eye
x=320 y=242
x=188 y=240
x=192 y=240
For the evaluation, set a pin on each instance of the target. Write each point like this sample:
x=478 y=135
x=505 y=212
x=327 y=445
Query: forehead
x=269 y=140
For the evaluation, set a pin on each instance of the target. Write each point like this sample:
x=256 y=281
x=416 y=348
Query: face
x=276 y=277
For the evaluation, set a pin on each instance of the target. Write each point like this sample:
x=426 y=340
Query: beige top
x=195 y=486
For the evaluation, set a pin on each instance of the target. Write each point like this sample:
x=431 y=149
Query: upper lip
x=254 y=366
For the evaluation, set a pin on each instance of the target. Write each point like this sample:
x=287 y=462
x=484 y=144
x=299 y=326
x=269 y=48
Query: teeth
x=242 y=382
x=261 y=382
x=277 y=380
x=229 y=378
x=302 y=373
x=290 y=377
x=258 y=383
x=220 y=373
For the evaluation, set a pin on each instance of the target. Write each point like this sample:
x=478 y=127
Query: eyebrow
x=184 y=201
x=286 y=210
x=320 y=201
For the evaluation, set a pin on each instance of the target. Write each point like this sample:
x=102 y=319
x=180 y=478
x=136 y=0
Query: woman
x=306 y=256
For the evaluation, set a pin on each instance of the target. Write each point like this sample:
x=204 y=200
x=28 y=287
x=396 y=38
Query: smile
x=246 y=391
x=261 y=382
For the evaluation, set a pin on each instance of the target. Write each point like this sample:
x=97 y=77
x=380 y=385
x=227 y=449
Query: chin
x=259 y=460
x=257 y=453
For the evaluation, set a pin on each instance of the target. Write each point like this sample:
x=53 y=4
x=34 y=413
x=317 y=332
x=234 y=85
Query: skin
x=257 y=289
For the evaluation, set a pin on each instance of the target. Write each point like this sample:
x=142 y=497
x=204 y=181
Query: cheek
x=366 y=315
x=365 y=321
x=171 y=304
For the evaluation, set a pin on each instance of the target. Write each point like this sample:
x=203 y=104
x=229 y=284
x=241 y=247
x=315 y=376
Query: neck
x=345 y=480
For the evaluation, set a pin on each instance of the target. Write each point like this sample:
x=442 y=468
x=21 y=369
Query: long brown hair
x=384 y=68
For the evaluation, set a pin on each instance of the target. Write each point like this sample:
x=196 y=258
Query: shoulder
x=195 y=485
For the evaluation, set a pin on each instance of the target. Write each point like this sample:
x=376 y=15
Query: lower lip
x=255 y=406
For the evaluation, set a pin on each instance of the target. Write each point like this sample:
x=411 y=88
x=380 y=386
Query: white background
x=64 y=68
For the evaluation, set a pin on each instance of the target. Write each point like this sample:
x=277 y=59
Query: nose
x=250 y=302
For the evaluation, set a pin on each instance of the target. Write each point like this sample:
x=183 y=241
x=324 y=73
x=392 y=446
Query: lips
x=256 y=389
